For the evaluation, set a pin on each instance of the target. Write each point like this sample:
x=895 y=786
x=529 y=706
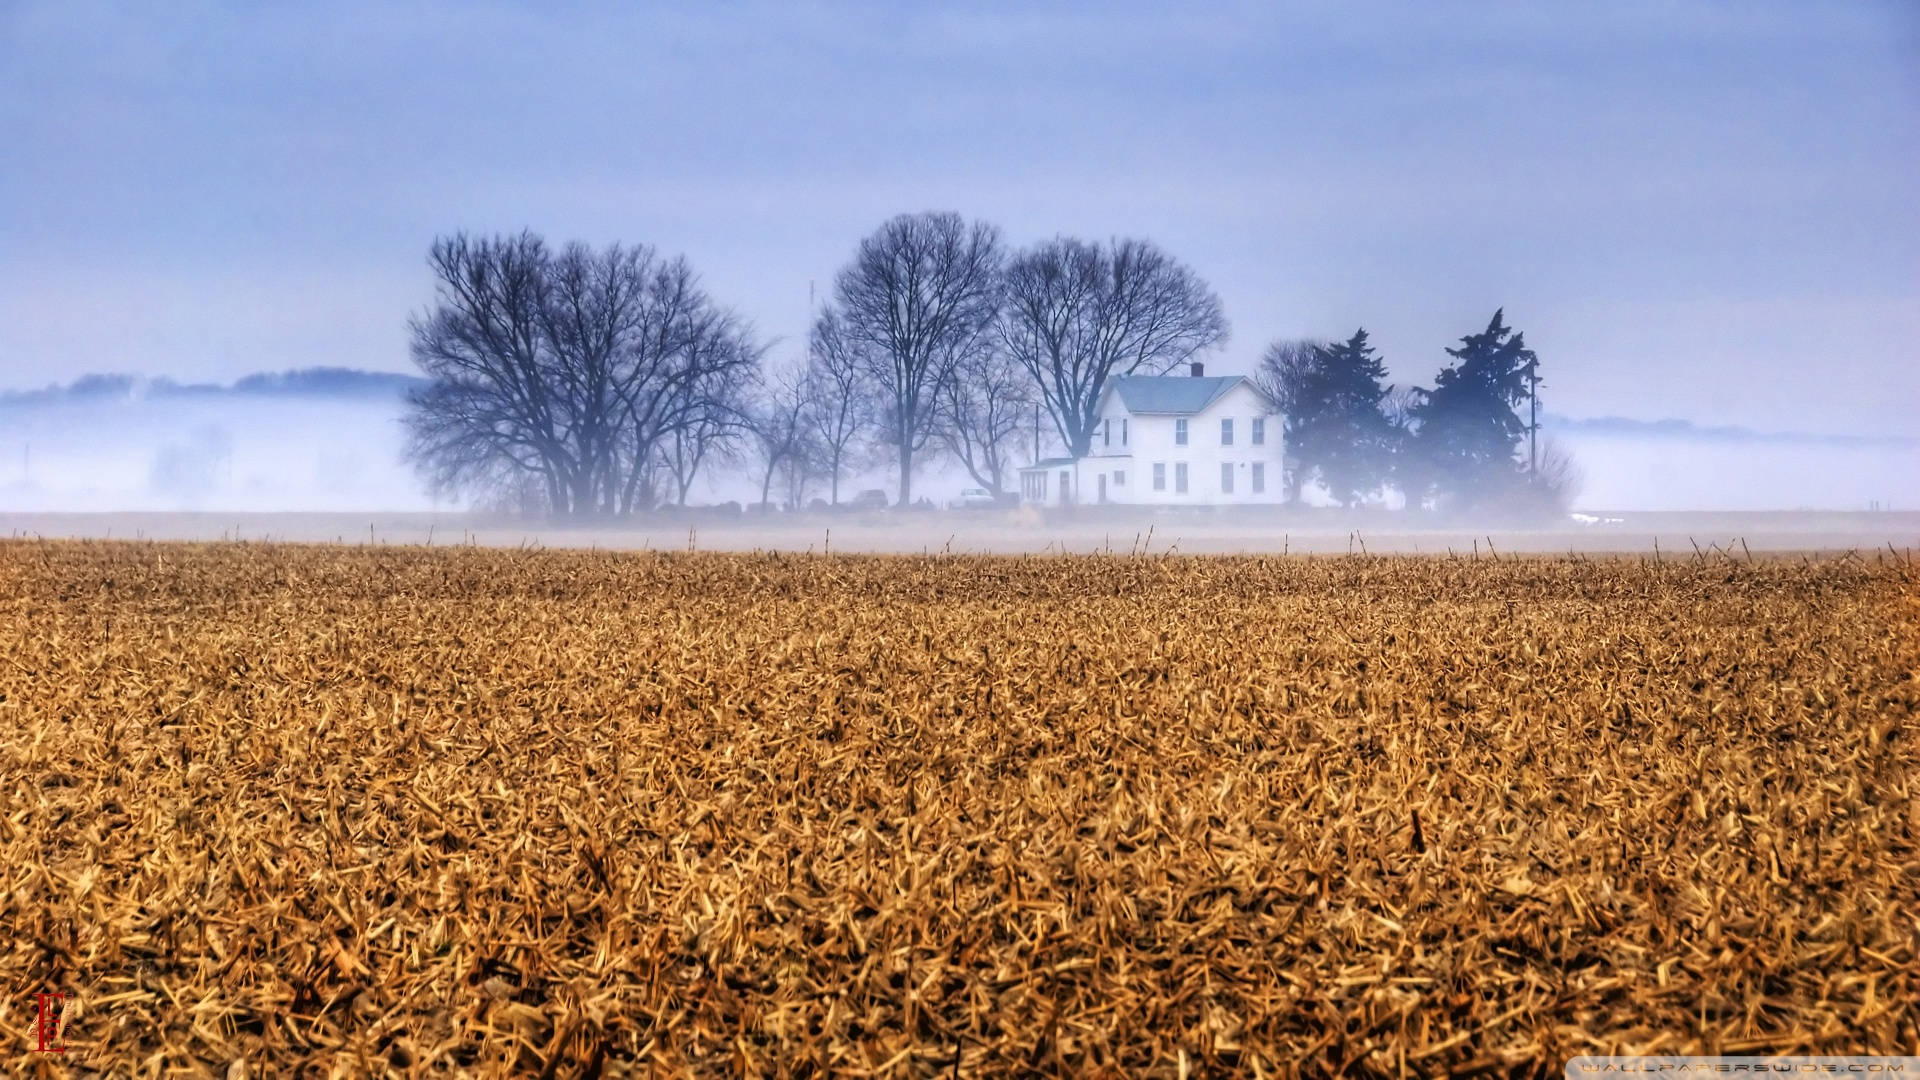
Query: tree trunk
x=906 y=471
x=685 y=484
x=630 y=496
x=766 y=482
x=989 y=479
x=583 y=492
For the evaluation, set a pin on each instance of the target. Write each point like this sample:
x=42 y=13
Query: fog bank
x=332 y=441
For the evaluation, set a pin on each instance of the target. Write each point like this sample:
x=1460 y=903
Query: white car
x=975 y=499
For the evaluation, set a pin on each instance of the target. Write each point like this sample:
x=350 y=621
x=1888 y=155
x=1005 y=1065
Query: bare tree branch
x=1286 y=375
x=841 y=394
x=567 y=368
x=919 y=294
x=776 y=421
x=1075 y=315
x=981 y=411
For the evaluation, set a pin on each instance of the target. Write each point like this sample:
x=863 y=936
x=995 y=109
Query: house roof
x=1172 y=394
x=1048 y=463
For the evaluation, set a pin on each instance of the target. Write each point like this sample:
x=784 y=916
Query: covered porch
x=1048 y=482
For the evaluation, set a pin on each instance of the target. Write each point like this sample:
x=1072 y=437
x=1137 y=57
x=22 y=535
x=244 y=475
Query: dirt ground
x=1118 y=530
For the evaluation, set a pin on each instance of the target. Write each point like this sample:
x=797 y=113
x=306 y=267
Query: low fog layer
x=1656 y=472
x=138 y=448
x=205 y=453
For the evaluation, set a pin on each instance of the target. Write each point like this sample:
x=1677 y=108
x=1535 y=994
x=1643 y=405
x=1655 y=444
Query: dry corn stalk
x=467 y=811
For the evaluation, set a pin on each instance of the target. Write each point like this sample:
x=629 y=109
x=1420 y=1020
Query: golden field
x=287 y=810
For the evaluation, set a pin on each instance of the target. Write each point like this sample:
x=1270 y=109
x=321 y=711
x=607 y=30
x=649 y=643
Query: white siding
x=1130 y=446
x=1150 y=439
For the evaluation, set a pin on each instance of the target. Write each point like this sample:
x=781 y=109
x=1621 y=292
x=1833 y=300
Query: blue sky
x=1699 y=210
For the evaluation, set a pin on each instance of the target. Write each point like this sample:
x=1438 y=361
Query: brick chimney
x=1197 y=369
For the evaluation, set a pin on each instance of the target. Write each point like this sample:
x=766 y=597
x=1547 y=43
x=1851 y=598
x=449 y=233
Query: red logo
x=46 y=1026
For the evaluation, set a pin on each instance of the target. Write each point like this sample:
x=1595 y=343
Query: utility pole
x=1533 y=418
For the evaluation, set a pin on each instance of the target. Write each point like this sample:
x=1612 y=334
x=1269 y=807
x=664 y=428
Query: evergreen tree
x=1467 y=432
x=1341 y=431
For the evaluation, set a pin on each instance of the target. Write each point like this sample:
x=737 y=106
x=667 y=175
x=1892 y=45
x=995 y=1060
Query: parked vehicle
x=975 y=499
x=870 y=499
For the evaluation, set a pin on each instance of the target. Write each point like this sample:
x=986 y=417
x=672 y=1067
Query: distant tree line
x=581 y=382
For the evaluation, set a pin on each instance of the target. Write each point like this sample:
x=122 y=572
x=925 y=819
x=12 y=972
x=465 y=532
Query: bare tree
x=1558 y=478
x=710 y=429
x=982 y=407
x=488 y=412
x=1285 y=370
x=565 y=368
x=798 y=471
x=601 y=309
x=776 y=421
x=840 y=395
x=919 y=294
x=1075 y=315
x=1288 y=375
x=683 y=371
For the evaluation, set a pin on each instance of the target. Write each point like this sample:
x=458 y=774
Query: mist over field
x=105 y=446
x=128 y=445
x=1723 y=472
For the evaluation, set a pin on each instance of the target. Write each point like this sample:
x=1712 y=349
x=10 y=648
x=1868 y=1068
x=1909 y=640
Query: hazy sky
x=1708 y=211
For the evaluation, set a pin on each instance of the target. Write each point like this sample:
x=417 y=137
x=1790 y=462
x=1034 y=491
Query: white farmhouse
x=1170 y=440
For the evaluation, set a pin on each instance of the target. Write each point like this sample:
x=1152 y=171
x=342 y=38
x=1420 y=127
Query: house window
x=1226 y=478
x=1159 y=476
x=1179 y=478
x=1119 y=478
x=1226 y=431
x=1106 y=433
x=1180 y=432
x=1259 y=470
x=1259 y=433
x=1123 y=431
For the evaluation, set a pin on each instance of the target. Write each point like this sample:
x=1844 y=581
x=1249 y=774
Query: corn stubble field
x=284 y=810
